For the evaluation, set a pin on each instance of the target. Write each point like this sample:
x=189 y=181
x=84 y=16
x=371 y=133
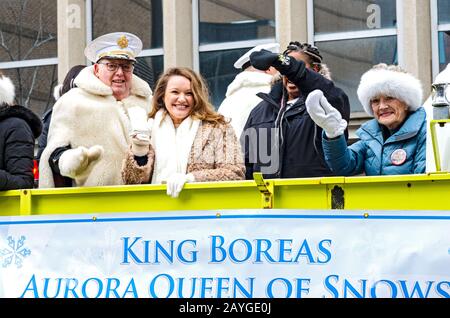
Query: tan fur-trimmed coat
x=215 y=156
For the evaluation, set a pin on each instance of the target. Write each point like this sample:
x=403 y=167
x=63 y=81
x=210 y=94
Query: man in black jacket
x=19 y=127
x=280 y=139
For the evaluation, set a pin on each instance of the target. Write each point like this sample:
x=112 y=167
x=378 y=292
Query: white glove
x=140 y=139
x=74 y=161
x=140 y=143
x=324 y=115
x=176 y=182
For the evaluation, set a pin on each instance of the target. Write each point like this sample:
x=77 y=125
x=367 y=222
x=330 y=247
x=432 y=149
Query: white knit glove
x=324 y=115
x=140 y=143
x=175 y=183
x=74 y=161
x=141 y=129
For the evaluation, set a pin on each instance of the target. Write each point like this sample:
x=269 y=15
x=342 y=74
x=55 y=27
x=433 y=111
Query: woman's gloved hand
x=175 y=183
x=140 y=139
x=324 y=115
x=140 y=144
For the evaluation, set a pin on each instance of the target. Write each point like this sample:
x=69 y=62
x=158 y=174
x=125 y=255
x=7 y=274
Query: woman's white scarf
x=172 y=145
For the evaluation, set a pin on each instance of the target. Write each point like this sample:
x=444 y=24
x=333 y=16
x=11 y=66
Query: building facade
x=41 y=39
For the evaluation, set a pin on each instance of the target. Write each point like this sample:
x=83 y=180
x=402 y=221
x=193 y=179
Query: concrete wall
x=178 y=50
x=71 y=35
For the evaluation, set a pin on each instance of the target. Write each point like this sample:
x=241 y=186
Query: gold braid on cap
x=113 y=53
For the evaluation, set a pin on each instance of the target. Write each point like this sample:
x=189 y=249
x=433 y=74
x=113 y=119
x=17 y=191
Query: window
x=443 y=11
x=28 y=50
x=226 y=30
x=349 y=59
x=149 y=68
x=443 y=33
x=352 y=36
x=142 y=18
x=217 y=68
x=34 y=86
x=236 y=20
x=353 y=15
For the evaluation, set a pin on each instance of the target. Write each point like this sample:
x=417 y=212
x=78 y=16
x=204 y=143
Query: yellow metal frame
x=408 y=192
x=266 y=188
x=434 y=141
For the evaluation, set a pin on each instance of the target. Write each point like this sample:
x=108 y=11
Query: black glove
x=264 y=59
x=285 y=64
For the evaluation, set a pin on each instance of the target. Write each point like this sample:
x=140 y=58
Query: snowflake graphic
x=14 y=252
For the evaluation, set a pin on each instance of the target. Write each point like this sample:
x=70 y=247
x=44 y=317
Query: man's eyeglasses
x=113 y=67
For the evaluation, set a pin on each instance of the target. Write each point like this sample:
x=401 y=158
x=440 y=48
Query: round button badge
x=398 y=157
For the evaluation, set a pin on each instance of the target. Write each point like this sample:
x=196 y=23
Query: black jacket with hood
x=19 y=127
x=292 y=141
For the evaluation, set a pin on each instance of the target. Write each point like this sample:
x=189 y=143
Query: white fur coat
x=241 y=97
x=90 y=115
x=172 y=145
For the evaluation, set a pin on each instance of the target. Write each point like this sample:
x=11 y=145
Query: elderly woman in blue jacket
x=391 y=143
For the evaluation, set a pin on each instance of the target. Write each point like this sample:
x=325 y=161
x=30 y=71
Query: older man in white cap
x=241 y=93
x=94 y=124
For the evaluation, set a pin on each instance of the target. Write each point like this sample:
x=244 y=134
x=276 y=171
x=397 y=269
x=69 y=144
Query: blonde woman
x=191 y=142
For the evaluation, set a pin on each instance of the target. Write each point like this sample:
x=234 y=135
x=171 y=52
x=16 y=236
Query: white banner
x=222 y=254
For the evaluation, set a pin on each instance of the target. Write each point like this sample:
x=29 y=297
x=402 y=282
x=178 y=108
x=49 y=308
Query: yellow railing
x=409 y=192
x=434 y=140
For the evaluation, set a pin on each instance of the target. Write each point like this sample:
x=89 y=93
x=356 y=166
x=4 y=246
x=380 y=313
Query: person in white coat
x=91 y=132
x=442 y=133
x=240 y=97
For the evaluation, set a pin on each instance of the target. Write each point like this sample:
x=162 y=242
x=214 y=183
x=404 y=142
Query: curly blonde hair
x=202 y=108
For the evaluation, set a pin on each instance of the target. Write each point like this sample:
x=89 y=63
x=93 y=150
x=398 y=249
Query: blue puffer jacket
x=373 y=156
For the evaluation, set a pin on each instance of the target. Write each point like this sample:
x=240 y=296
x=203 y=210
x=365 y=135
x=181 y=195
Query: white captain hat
x=117 y=45
x=244 y=61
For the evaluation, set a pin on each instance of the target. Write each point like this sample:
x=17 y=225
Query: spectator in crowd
x=241 y=95
x=192 y=143
x=19 y=127
x=391 y=143
x=58 y=91
x=280 y=139
x=90 y=129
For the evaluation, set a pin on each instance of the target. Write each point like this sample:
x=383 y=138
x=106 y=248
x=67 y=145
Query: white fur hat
x=7 y=93
x=389 y=82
